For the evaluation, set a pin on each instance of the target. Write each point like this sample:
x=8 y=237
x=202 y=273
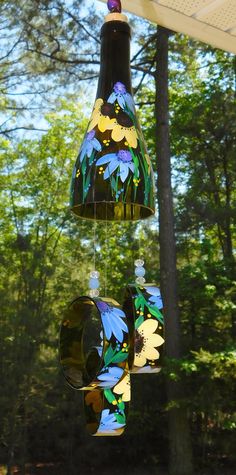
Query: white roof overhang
x=210 y=21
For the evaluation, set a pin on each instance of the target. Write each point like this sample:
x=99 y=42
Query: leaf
x=87 y=181
x=138 y=302
x=121 y=356
x=83 y=167
x=91 y=159
x=121 y=419
x=113 y=183
x=136 y=163
x=109 y=355
x=109 y=395
x=121 y=405
x=155 y=312
x=139 y=321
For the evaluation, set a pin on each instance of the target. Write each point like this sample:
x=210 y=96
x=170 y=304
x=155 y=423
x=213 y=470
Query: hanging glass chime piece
x=112 y=177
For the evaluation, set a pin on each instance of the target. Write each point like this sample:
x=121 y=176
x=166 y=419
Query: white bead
x=93 y=283
x=139 y=262
x=139 y=271
x=94 y=293
x=95 y=274
x=140 y=280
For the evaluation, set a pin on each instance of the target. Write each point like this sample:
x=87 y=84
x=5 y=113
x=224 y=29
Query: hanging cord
x=94 y=283
x=139 y=242
x=94 y=238
x=139 y=265
x=106 y=256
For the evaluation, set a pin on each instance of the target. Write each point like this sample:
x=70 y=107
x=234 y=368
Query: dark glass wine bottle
x=113 y=178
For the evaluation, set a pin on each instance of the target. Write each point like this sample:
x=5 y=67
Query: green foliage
x=46 y=255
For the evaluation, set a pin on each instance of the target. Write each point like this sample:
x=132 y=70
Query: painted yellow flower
x=101 y=116
x=146 y=341
x=123 y=128
x=123 y=387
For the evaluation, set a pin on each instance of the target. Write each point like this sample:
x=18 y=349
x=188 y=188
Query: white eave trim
x=181 y=23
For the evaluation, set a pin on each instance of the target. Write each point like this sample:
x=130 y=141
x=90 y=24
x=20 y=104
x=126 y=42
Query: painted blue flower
x=108 y=422
x=155 y=298
x=110 y=377
x=112 y=320
x=122 y=160
x=123 y=97
x=89 y=144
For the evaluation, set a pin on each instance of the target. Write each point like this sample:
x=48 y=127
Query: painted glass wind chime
x=101 y=341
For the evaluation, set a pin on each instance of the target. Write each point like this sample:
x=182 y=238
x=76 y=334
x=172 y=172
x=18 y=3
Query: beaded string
x=106 y=258
x=94 y=237
x=139 y=266
x=94 y=283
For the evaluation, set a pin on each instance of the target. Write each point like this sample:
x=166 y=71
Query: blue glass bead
x=94 y=274
x=139 y=271
x=139 y=262
x=94 y=293
x=93 y=283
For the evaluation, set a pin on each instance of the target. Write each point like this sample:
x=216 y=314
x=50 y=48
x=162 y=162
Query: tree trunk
x=180 y=454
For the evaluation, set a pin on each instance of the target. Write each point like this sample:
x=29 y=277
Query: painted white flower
x=146 y=341
x=123 y=388
x=145 y=369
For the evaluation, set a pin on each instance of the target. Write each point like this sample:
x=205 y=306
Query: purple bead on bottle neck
x=114 y=6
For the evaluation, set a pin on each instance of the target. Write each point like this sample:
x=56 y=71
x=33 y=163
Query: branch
x=63 y=60
x=8 y=131
x=82 y=26
x=143 y=77
x=149 y=103
x=143 y=70
x=153 y=37
x=10 y=51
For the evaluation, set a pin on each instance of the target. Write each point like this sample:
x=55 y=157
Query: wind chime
x=101 y=341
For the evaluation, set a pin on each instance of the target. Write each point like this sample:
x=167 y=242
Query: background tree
x=45 y=255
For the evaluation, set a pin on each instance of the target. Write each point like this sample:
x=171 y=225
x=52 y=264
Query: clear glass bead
x=139 y=262
x=95 y=274
x=94 y=293
x=139 y=271
x=140 y=280
x=93 y=283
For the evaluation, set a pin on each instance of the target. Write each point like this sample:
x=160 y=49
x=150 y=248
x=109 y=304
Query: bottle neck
x=115 y=58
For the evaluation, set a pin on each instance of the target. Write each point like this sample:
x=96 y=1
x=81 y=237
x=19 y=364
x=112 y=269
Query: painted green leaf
x=121 y=406
x=120 y=418
x=113 y=183
x=155 y=312
x=109 y=395
x=121 y=356
x=91 y=159
x=83 y=167
x=136 y=163
x=139 y=321
x=138 y=301
x=87 y=181
x=109 y=355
